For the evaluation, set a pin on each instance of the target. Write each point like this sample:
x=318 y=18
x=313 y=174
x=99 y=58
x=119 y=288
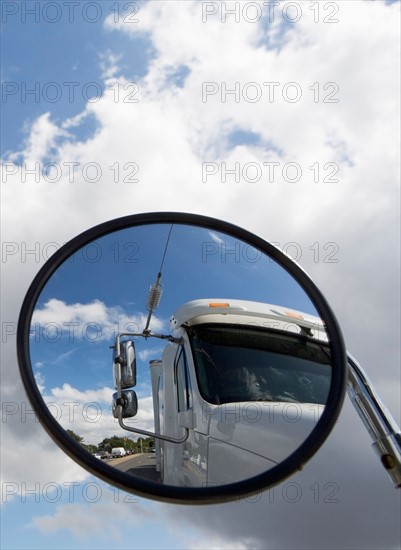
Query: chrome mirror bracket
x=377 y=420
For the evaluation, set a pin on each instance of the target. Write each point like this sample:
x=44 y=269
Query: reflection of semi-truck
x=239 y=387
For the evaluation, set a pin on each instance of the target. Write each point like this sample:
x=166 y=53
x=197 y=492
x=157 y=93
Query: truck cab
x=246 y=381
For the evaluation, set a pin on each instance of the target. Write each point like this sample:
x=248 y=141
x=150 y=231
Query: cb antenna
x=156 y=290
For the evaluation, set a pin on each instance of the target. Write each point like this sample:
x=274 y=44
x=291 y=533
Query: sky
x=282 y=119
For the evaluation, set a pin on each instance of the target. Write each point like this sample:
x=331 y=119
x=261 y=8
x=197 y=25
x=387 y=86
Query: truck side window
x=184 y=394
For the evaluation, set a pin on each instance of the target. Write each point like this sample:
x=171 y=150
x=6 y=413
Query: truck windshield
x=235 y=363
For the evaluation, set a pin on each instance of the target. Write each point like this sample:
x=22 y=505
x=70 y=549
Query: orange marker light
x=295 y=315
x=219 y=304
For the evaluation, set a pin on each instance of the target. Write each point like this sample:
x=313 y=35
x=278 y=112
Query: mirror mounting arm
x=377 y=420
x=149 y=434
x=120 y=407
x=145 y=335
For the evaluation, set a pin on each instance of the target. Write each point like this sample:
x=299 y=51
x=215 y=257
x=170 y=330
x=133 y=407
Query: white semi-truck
x=239 y=387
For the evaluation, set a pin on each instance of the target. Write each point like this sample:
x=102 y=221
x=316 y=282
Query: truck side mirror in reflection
x=126 y=358
x=128 y=402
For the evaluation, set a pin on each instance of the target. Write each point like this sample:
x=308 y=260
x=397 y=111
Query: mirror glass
x=232 y=364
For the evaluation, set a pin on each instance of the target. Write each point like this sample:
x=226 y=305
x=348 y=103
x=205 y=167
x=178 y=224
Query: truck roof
x=232 y=311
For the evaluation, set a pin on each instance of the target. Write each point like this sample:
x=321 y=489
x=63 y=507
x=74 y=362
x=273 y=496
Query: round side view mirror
x=227 y=368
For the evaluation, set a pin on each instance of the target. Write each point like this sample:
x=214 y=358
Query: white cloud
x=88 y=396
x=42 y=138
x=215 y=238
x=219 y=543
x=99 y=518
x=20 y=476
x=146 y=353
x=60 y=316
x=40 y=381
x=88 y=413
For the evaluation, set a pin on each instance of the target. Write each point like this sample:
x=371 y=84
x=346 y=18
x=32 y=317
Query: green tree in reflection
x=89 y=447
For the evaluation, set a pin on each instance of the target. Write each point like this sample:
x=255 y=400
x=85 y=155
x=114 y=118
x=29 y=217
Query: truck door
x=191 y=462
x=184 y=393
x=184 y=404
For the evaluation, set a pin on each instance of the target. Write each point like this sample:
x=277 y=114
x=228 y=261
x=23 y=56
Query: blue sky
x=59 y=53
x=169 y=53
x=19 y=517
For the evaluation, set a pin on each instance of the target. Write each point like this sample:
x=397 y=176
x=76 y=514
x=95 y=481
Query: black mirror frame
x=152 y=490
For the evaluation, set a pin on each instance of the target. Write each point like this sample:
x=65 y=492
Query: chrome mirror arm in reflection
x=119 y=407
x=377 y=420
x=149 y=434
x=145 y=335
